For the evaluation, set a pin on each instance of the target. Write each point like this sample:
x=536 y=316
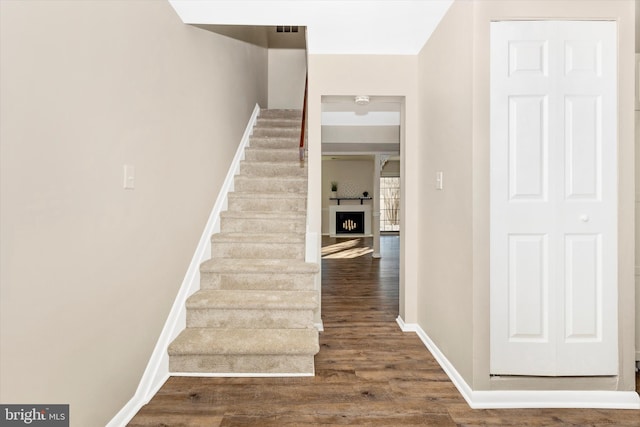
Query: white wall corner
x=501 y=399
x=157 y=370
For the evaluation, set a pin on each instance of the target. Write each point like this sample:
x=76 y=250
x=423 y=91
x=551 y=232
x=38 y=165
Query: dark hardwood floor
x=368 y=372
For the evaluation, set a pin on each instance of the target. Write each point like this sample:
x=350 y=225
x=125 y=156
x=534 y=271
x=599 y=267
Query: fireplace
x=350 y=222
x=360 y=224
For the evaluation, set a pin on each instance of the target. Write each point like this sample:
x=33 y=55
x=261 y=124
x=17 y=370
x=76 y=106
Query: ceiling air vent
x=286 y=29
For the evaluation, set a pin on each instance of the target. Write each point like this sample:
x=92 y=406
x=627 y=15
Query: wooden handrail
x=304 y=118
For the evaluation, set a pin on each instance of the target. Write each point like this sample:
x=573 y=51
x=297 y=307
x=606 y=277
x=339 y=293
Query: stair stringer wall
x=157 y=370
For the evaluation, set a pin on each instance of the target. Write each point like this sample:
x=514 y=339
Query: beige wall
x=446 y=284
x=287 y=71
x=637 y=26
x=354 y=174
x=380 y=75
x=89 y=270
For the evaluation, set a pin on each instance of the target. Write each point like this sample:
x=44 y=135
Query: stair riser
x=267 y=155
x=231 y=225
x=284 y=204
x=257 y=281
x=272 y=169
x=260 y=185
x=253 y=319
x=281 y=114
x=294 y=123
x=276 y=132
x=263 y=142
x=257 y=250
x=241 y=364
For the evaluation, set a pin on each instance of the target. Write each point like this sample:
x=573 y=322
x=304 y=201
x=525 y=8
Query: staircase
x=254 y=311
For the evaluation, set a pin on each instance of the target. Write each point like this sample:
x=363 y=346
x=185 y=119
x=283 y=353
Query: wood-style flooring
x=368 y=372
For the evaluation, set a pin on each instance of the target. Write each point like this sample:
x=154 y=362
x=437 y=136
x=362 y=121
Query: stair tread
x=274 y=150
x=291 y=141
x=293 y=121
x=253 y=299
x=291 y=178
x=274 y=163
x=244 y=237
x=278 y=127
x=258 y=195
x=278 y=113
x=268 y=266
x=290 y=215
x=202 y=341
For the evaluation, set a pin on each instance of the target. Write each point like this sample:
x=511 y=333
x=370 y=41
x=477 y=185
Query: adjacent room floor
x=368 y=372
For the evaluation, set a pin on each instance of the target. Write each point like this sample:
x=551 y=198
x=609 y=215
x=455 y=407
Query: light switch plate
x=129 y=177
x=439 y=178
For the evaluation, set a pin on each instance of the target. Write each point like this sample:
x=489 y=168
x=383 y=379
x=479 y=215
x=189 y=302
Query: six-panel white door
x=553 y=159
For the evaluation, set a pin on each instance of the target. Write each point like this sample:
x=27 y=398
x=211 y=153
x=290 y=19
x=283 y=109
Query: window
x=389 y=203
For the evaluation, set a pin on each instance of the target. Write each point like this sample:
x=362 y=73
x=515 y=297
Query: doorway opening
x=361 y=168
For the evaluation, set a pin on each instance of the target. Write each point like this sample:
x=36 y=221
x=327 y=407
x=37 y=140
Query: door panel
x=528 y=147
x=583 y=287
x=583 y=115
x=553 y=156
x=528 y=288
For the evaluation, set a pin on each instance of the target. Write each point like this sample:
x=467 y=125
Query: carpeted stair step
x=276 y=351
x=265 y=202
x=273 y=143
x=277 y=132
x=261 y=154
x=209 y=308
x=272 y=169
x=281 y=114
x=262 y=222
x=282 y=122
x=290 y=184
x=273 y=274
x=258 y=246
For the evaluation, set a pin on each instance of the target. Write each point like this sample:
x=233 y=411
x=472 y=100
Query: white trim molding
x=500 y=399
x=157 y=370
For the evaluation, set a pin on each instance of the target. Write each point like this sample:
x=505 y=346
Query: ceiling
x=380 y=27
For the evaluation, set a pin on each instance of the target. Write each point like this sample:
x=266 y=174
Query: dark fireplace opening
x=349 y=222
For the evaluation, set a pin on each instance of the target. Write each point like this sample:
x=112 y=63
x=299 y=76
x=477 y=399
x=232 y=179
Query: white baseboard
x=319 y=326
x=157 y=370
x=497 y=399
